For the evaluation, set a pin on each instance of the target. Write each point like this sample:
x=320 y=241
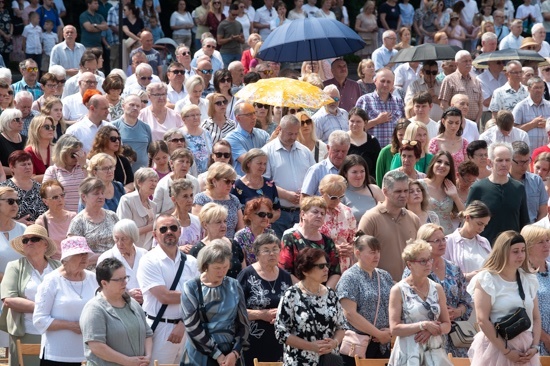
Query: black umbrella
x=481 y=61
x=426 y=52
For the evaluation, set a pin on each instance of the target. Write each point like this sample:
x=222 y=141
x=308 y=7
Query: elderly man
x=134 y=132
x=88 y=63
x=427 y=82
x=383 y=108
x=422 y=105
x=338 y=147
x=69 y=52
x=513 y=39
x=183 y=55
x=391 y=223
x=461 y=81
x=490 y=79
x=504 y=130
x=236 y=69
x=264 y=70
x=263 y=18
x=530 y=114
x=288 y=162
x=489 y=42
x=137 y=59
x=501 y=30
x=245 y=136
x=23 y=101
x=205 y=71
x=506 y=214
x=331 y=117
x=511 y=93
x=86 y=129
x=153 y=56
x=73 y=108
x=176 y=90
x=208 y=48
x=157 y=272
x=144 y=77
x=382 y=55
x=29 y=82
x=230 y=36
x=470 y=130
x=349 y=89
x=91 y=25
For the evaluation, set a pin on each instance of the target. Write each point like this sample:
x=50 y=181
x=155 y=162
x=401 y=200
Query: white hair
x=58 y=71
x=209 y=39
x=22 y=95
x=142 y=67
x=330 y=88
x=5 y=74
x=460 y=54
x=120 y=73
x=536 y=27
x=488 y=36
x=127 y=228
x=387 y=34
x=339 y=137
x=495 y=145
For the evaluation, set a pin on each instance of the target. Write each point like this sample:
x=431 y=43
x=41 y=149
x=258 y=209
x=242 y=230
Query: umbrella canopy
x=426 y=52
x=310 y=39
x=167 y=41
x=284 y=92
x=507 y=55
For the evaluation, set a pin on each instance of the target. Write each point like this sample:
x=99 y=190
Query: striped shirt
x=70 y=180
x=216 y=132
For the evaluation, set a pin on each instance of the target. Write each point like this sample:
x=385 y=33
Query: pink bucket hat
x=74 y=245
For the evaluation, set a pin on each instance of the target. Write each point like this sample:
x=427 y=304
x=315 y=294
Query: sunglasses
x=261 y=105
x=229 y=181
x=146 y=78
x=114 y=138
x=17 y=119
x=334 y=198
x=267 y=72
x=409 y=142
x=206 y=72
x=225 y=80
x=185 y=53
x=308 y=121
x=321 y=265
x=336 y=99
x=178 y=72
x=62 y=81
x=263 y=215
x=144 y=101
x=428 y=72
x=32 y=69
x=48 y=127
x=164 y=229
x=55 y=198
x=11 y=201
x=220 y=154
x=219 y=103
x=34 y=239
x=176 y=140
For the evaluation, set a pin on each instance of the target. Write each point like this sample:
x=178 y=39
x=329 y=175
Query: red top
x=38 y=165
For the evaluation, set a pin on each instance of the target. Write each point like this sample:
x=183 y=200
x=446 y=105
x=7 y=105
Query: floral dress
x=116 y=111
x=458 y=157
x=544 y=305
x=5 y=23
x=260 y=294
x=454 y=284
x=233 y=206
x=308 y=317
x=443 y=210
x=201 y=146
x=31 y=202
x=245 y=238
x=245 y=193
x=340 y=225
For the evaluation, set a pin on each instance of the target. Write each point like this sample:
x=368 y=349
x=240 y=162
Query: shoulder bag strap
x=45 y=222
x=202 y=308
x=316 y=151
x=172 y=288
x=378 y=303
x=520 y=287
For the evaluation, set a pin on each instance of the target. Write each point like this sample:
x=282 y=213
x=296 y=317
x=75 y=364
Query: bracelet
x=236 y=354
x=421 y=326
x=506 y=354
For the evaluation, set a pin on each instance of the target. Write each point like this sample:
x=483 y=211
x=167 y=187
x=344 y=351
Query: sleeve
x=173 y=19
x=123 y=210
x=93 y=323
x=493 y=106
x=445 y=91
x=158 y=196
x=44 y=303
x=284 y=322
x=333 y=257
x=242 y=326
x=485 y=279
x=149 y=275
x=310 y=184
x=543 y=195
x=523 y=211
x=347 y=288
x=339 y=319
x=288 y=247
x=127 y=169
x=76 y=227
x=9 y=286
x=274 y=195
x=518 y=114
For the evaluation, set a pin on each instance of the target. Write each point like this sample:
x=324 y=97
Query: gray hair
x=142 y=174
x=530 y=82
x=5 y=74
x=192 y=82
x=209 y=39
x=495 y=145
x=215 y=252
x=22 y=95
x=233 y=65
x=488 y=36
x=388 y=33
x=171 y=132
x=164 y=216
x=180 y=185
x=90 y=184
x=249 y=156
x=264 y=239
x=142 y=67
x=156 y=86
x=393 y=176
x=339 y=137
x=7 y=116
x=65 y=144
x=120 y=73
x=512 y=62
x=520 y=148
x=536 y=27
x=127 y=228
x=289 y=120
x=330 y=88
x=58 y=71
x=462 y=53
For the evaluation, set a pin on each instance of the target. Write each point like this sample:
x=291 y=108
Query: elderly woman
x=125 y=235
x=539 y=35
x=309 y=318
x=409 y=153
x=263 y=284
x=258 y=213
x=107 y=140
x=416 y=131
x=59 y=302
x=420 y=322
x=69 y=168
x=181 y=192
x=340 y=224
x=450 y=136
x=362 y=143
x=11 y=125
x=217 y=123
x=174 y=139
x=450 y=277
x=19 y=284
x=194 y=86
x=477 y=152
x=53 y=107
x=213 y=219
x=111 y=316
x=157 y=115
x=102 y=166
x=496 y=294
x=537 y=241
x=364 y=293
x=137 y=206
x=419 y=201
x=198 y=140
x=57 y=219
x=383 y=164
x=216 y=331
x=307 y=234
x=221 y=153
x=219 y=182
x=9 y=205
x=39 y=144
x=28 y=190
x=253 y=184
x=180 y=162
x=307 y=137
x=94 y=222
x=113 y=86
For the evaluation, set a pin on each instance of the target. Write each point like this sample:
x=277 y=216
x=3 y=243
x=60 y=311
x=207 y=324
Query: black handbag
x=512 y=325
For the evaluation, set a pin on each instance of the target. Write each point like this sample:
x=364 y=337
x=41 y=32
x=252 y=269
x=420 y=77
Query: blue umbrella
x=310 y=39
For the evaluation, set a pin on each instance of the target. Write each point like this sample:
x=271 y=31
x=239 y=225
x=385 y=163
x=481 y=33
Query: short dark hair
x=475 y=146
x=18 y=156
x=105 y=269
x=251 y=77
x=422 y=98
x=87 y=56
x=356 y=111
x=468 y=168
x=505 y=120
x=305 y=261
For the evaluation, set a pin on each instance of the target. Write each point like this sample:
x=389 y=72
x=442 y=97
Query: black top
x=368 y=151
x=7 y=147
x=235 y=265
x=123 y=171
x=135 y=28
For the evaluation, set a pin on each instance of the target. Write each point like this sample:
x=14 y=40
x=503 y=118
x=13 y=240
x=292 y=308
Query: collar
x=25 y=85
x=329 y=164
x=384 y=210
x=459 y=74
x=279 y=145
x=531 y=102
x=385 y=49
x=244 y=132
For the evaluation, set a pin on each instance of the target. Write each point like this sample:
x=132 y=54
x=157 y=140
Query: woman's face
x=442 y=166
x=317 y=274
x=47 y=130
x=268 y=255
x=541 y=249
x=55 y=198
x=23 y=169
x=261 y=110
x=516 y=256
x=438 y=243
x=161 y=158
x=220 y=106
x=225 y=84
x=223 y=186
x=539 y=35
x=312 y=67
x=148 y=186
x=476 y=224
x=123 y=242
x=489 y=27
x=181 y=167
x=368 y=69
x=333 y=199
x=221 y=154
x=415 y=194
x=542 y=168
x=77 y=262
x=184 y=199
x=480 y=157
x=314 y=217
x=105 y=171
x=56 y=112
x=281 y=11
x=400 y=134
x=216 y=228
x=94 y=199
x=306 y=125
x=406 y=36
x=368 y=257
x=113 y=142
x=33 y=249
x=117 y=284
x=217 y=271
x=408 y=160
x=175 y=142
x=16 y=125
x=181 y=6
x=114 y=93
x=5 y=207
x=421 y=136
x=192 y=119
x=356 y=176
x=258 y=166
x=419 y=268
x=50 y=88
x=158 y=97
x=452 y=124
x=259 y=222
x=369 y=9
x=144 y=101
x=356 y=124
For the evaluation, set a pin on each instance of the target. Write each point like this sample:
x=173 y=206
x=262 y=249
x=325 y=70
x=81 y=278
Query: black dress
x=368 y=151
x=235 y=265
x=260 y=294
x=7 y=147
x=123 y=171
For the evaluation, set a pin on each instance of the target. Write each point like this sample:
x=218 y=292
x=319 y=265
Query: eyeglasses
x=58 y=197
x=209 y=46
x=225 y=80
x=114 y=138
x=481 y=155
x=11 y=201
x=48 y=127
x=428 y=72
x=220 y=154
x=145 y=101
x=267 y=72
x=263 y=215
x=261 y=105
x=90 y=82
x=308 y=121
x=219 y=103
x=229 y=181
x=159 y=95
x=423 y=262
x=177 y=140
x=248 y=114
x=206 y=72
x=178 y=72
x=32 y=69
x=321 y=265
x=437 y=241
x=51 y=86
x=269 y=252
x=145 y=78
x=121 y=279
x=336 y=99
x=106 y=168
x=522 y=162
x=164 y=229
x=409 y=142
x=334 y=198
x=185 y=53
x=34 y=239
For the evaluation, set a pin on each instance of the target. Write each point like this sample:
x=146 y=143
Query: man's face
x=339 y=69
x=102 y=109
x=448 y=67
x=137 y=59
x=337 y=154
x=208 y=48
x=514 y=73
x=94 y=5
x=90 y=66
x=164 y=233
x=489 y=45
x=515 y=29
x=144 y=77
x=176 y=75
x=430 y=72
x=536 y=91
x=184 y=56
x=501 y=162
x=237 y=74
x=147 y=41
x=88 y=82
x=528 y=73
x=422 y=110
x=132 y=106
x=268 y=3
x=264 y=71
x=24 y=105
x=390 y=41
x=464 y=64
x=498 y=18
x=520 y=164
x=462 y=103
x=496 y=66
x=30 y=72
x=398 y=195
x=204 y=70
x=384 y=82
x=247 y=117
x=289 y=134
x=333 y=107
x=69 y=33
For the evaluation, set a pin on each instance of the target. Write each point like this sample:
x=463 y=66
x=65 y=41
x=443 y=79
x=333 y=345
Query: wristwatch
x=95 y=25
x=536 y=347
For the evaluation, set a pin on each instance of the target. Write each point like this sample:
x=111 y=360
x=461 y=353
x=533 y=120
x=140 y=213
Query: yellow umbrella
x=284 y=92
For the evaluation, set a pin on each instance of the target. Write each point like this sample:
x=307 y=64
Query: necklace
x=423 y=294
x=273 y=286
x=311 y=292
x=76 y=292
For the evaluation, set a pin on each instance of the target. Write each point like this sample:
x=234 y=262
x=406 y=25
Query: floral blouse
x=340 y=225
x=245 y=238
x=201 y=146
x=31 y=202
x=458 y=156
x=245 y=193
x=308 y=317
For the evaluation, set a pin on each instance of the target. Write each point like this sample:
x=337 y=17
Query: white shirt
x=114 y=252
x=470 y=9
x=71 y=85
x=489 y=84
x=405 y=75
x=73 y=108
x=310 y=10
x=432 y=126
x=85 y=130
x=203 y=106
x=493 y=134
x=33 y=35
x=510 y=41
x=30 y=293
x=161 y=197
x=174 y=96
x=265 y=16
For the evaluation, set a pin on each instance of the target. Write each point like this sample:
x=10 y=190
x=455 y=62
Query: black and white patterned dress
x=308 y=317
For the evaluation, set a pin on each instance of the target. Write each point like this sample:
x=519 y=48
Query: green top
x=422 y=164
x=383 y=164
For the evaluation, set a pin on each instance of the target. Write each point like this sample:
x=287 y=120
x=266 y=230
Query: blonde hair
x=426 y=231
x=413 y=248
x=533 y=234
x=212 y=211
x=217 y=171
x=412 y=130
x=99 y=159
x=333 y=183
x=34 y=130
x=498 y=258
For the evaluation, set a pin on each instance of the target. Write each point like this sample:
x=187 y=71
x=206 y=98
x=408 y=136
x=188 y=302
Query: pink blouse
x=340 y=225
x=458 y=156
x=172 y=120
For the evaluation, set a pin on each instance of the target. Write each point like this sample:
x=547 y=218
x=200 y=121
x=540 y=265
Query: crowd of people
x=148 y=213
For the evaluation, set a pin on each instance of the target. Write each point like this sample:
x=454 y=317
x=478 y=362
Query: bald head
x=146 y=40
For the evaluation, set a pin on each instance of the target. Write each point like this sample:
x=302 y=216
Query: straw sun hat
x=34 y=231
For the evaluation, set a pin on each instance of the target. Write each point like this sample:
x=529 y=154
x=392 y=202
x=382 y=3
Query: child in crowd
x=49 y=39
x=159 y=157
x=32 y=38
x=455 y=32
x=156 y=29
x=407 y=14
